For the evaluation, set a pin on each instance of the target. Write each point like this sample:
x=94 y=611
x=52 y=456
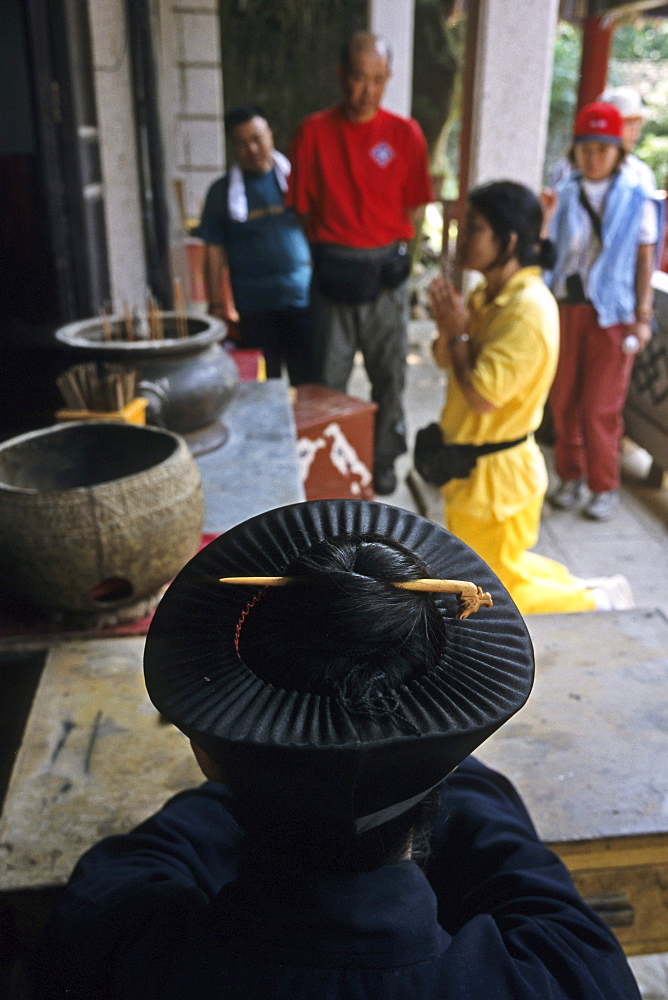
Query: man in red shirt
x=359 y=174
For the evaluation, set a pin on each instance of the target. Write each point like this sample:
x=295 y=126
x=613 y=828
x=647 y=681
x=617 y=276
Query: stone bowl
x=96 y=515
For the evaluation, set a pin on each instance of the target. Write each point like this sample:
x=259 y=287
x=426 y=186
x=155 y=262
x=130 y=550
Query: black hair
x=361 y=41
x=510 y=208
x=242 y=114
x=344 y=631
x=341 y=630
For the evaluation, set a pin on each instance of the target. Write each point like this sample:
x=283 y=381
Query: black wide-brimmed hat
x=307 y=752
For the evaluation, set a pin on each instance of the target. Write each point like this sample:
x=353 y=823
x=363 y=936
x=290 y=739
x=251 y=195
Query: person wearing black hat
x=334 y=664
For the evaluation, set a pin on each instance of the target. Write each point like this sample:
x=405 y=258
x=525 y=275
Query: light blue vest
x=612 y=276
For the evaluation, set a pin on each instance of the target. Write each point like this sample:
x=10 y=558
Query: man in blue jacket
x=334 y=664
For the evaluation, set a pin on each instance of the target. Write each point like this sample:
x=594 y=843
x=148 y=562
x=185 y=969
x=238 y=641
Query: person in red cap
x=634 y=113
x=605 y=230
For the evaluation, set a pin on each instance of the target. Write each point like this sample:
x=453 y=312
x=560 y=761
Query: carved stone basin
x=96 y=515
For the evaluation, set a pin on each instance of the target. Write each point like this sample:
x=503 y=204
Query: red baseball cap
x=600 y=122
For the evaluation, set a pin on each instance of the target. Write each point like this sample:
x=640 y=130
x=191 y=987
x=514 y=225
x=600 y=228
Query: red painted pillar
x=596 y=40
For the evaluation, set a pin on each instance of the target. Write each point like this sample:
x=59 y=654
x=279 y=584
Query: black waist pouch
x=357 y=279
x=575 y=293
x=438 y=462
x=396 y=267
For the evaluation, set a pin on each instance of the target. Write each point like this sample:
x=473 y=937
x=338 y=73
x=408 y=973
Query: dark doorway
x=53 y=265
x=28 y=292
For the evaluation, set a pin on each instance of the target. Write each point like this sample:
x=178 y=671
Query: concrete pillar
x=511 y=96
x=393 y=19
x=115 y=114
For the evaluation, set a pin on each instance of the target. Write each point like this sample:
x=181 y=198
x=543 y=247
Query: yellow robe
x=515 y=343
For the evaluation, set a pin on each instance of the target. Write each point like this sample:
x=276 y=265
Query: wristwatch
x=461 y=338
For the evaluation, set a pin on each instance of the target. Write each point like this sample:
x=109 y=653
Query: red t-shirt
x=355 y=180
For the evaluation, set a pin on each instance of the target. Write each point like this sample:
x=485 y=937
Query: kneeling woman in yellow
x=500 y=350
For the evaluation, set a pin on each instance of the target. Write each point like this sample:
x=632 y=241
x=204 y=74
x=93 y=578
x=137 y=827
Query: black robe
x=163 y=912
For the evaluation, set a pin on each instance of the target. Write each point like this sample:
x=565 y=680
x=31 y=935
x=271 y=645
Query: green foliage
x=637 y=49
x=565 y=78
x=640 y=39
x=654 y=151
x=653 y=145
x=566 y=72
x=283 y=55
x=436 y=59
x=638 y=46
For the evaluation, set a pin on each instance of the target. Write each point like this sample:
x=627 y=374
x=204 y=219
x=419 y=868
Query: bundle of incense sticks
x=100 y=389
x=127 y=328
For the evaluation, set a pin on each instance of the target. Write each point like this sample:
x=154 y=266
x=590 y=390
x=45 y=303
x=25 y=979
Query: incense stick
x=106 y=325
x=129 y=325
x=180 y=307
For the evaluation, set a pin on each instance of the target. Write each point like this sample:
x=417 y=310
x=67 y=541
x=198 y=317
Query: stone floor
x=634 y=542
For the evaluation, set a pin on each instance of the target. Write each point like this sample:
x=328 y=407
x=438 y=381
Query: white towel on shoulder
x=237 y=202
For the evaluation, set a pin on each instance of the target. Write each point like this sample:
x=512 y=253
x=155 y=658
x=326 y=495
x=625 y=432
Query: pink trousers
x=587 y=398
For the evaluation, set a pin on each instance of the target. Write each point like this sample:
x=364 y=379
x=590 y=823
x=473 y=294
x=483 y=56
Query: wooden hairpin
x=470 y=597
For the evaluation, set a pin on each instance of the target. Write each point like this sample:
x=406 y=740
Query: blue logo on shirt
x=382 y=153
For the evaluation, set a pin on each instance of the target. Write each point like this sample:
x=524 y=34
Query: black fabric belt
x=487 y=449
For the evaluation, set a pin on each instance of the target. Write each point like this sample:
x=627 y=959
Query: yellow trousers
x=538 y=585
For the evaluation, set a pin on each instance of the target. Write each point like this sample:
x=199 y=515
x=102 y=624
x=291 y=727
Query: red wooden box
x=335 y=443
x=250 y=365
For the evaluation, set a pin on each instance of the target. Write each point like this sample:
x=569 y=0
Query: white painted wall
x=187 y=52
x=512 y=90
x=186 y=36
x=191 y=96
x=115 y=114
x=393 y=19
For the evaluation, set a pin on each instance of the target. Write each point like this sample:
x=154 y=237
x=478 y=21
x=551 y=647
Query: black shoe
x=384 y=480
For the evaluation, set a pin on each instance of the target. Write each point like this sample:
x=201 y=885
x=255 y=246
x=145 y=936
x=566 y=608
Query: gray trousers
x=379 y=330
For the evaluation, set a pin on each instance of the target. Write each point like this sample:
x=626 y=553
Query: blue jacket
x=612 y=276
x=163 y=912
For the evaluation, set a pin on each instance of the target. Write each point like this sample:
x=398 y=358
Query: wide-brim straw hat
x=307 y=753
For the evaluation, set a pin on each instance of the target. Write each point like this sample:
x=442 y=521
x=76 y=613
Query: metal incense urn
x=185 y=374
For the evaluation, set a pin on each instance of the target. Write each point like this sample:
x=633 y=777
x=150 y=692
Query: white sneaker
x=569 y=494
x=601 y=506
x=611 y=593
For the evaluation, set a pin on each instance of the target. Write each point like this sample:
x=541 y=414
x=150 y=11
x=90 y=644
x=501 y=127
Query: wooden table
x=589 y=753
